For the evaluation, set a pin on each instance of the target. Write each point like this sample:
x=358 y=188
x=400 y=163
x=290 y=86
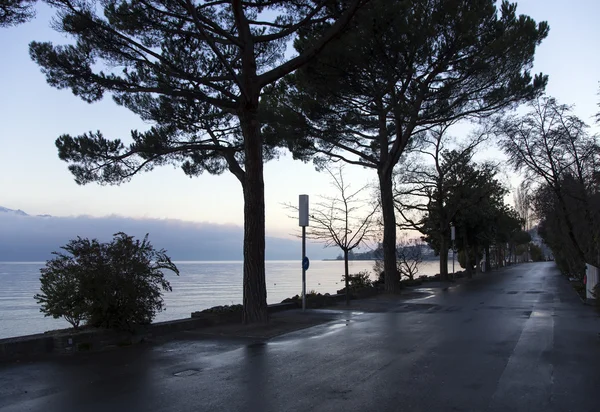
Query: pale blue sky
x=33 y=114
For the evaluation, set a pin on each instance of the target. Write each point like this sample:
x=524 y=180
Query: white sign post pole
x=303 y=221
x=453 y=238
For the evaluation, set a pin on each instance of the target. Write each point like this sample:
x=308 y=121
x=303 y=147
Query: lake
x=201 y=285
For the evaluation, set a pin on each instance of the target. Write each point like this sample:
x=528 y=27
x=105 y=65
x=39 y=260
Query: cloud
x=33 y=238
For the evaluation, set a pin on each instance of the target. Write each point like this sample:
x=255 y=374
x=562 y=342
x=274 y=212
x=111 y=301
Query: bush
x=411 y=282
x=112 y=285
x=359 y=280
x=536 y=253
x=224 y=309
x=61 y=290
x=462 y=259
x=313 y=300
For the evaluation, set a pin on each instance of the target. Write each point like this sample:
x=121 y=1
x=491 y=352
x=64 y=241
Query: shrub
x=536 y=253
x=113 y=285
x=359 y=280
x=60 y=291
x=462 y=259
x=224 y=309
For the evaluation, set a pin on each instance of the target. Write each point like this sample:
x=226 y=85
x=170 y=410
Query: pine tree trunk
x=443 y=257
x=346 y=277
x=392 y=283
x=255 y=289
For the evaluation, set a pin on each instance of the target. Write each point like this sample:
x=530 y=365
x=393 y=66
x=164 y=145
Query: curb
x=69 y=342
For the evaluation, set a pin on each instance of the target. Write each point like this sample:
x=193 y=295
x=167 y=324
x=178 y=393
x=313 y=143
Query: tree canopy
x=13 y=12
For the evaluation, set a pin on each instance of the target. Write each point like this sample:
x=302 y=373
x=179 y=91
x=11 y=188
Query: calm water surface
x=201 y=285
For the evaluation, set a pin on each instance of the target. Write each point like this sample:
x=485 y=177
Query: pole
x=453 y=238
x=303 y=221
x=453 y=249
x=303 y=269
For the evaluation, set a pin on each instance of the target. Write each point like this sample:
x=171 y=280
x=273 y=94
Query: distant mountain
x=24 y=237
x=17 y=212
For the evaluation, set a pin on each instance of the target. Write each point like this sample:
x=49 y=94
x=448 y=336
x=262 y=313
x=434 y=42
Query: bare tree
x=409 y=256
x=523 y=204
x=345 y=220
x=551 y=146
x=598 y=114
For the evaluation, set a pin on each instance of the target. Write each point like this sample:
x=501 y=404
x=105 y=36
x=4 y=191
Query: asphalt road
x=515 y=340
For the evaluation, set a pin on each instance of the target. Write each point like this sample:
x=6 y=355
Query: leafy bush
x=113 y=285
x=61 y=290
x=359 y=280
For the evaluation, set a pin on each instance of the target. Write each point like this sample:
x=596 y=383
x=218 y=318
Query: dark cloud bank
x=32 y=238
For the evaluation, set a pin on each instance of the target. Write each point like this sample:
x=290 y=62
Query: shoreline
x=284 y=317
x=65 y=341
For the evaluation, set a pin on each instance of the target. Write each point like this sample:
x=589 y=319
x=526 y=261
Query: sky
x=33 y=115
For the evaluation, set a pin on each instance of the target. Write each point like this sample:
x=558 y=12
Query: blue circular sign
x=305 y=263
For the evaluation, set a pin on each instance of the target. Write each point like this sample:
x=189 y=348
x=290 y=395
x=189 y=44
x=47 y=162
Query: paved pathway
x=515 y=340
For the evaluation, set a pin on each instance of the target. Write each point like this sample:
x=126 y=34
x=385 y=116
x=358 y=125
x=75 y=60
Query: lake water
x=201 y=285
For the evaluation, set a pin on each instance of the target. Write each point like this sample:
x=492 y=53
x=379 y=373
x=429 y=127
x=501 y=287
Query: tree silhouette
x=424 y=184
x=13 y=12
x=196 y=71
x=552 y=148
x=404 y=67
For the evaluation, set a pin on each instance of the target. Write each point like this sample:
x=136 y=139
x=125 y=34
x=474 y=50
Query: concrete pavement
x=514 y=340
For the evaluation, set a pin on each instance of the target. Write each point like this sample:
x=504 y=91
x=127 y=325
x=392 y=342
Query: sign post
x=303 y=221
x=453 y=238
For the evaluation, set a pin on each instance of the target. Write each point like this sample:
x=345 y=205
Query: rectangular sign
x=303 y=210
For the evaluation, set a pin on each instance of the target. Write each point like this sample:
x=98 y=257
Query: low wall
x=25 y=345
x=98 y=339
x=314 y=301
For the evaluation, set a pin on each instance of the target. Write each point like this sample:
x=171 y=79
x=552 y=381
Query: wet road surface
x=515 y=340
